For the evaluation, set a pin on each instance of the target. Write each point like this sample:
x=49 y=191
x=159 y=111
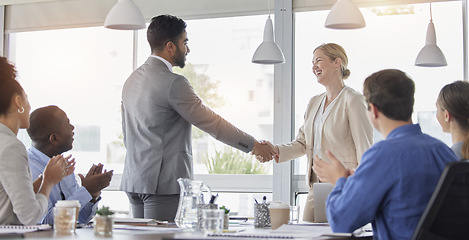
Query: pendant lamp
x=125 y=15
x=345 y=15
x=268 y=52
x=431 y=55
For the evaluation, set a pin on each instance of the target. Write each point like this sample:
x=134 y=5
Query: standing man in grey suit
x=159 y=108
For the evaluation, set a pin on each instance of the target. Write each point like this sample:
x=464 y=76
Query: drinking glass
x=212 y=220
x=294 y=214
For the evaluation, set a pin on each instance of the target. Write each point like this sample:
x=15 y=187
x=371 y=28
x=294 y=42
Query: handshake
x=265 y=151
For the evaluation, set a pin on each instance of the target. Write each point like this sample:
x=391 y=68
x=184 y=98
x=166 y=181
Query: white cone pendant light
x=431 y=55
x=268 y=52
x=125 y=15
x=345 y=15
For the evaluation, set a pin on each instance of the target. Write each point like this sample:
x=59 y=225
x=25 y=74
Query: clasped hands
x=265 y=151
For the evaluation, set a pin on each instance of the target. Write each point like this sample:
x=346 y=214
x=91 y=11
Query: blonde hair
x=333 y=51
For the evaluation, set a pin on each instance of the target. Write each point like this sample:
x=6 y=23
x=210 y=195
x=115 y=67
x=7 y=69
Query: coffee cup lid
x=67 y=203
x=279 y=205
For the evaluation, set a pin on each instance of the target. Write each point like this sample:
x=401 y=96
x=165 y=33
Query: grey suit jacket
x=158 y=110
x=18 y=202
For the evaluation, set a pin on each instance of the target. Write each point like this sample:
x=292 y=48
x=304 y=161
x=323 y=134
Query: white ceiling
x=11 y=2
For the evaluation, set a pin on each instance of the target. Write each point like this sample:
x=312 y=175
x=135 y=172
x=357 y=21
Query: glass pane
x=82 y=71
x=220 y=70
x=241 y=204
x=393 y=37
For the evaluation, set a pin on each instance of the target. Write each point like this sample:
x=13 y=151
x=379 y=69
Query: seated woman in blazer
x=20 y=201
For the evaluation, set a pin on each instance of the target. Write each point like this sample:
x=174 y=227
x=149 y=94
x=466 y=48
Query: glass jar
x=103 y=225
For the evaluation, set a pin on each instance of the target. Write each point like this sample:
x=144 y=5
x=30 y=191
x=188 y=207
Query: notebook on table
x=320 y=193
x=16 y=229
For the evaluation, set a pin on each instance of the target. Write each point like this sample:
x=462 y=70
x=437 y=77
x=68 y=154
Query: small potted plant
x=227 y=217
x=103 y=222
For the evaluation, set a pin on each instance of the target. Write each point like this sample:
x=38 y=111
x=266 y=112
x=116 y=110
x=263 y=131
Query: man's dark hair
x=392 y=92
x=163 y=29
x=8 y=85
x=43 y=123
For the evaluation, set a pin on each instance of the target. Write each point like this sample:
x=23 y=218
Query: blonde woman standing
x=335 y=120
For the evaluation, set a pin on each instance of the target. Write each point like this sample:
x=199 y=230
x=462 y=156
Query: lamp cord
x=431 y=17
x=268 y=4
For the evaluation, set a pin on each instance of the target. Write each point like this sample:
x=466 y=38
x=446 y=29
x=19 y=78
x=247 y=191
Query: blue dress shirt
x=392 y=186
x=68 y=186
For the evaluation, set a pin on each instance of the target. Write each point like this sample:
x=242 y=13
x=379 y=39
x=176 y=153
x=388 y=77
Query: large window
x=220 y=69
x=393 y=37
x=83 y=70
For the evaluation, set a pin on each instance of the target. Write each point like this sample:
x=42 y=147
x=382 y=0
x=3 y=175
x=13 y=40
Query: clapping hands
x=96 y=179
x=265 y=151
x=57 y=168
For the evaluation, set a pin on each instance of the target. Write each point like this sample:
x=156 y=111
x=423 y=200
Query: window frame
x=283 y=93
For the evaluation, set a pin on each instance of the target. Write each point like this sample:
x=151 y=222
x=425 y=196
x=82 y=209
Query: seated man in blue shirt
x=397 y=176
x=52 y=134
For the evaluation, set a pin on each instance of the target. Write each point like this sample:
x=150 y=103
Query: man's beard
x=180 y=58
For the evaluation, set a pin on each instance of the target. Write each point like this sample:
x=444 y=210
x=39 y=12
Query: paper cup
x=279 y=214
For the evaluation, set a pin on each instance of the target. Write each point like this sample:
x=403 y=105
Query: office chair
x=447 y=213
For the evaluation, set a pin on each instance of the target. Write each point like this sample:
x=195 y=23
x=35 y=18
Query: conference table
x=131 y=232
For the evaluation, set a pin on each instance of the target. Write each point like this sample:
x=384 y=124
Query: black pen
x=213 y=198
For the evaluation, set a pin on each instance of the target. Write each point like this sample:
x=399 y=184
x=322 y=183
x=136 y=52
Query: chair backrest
x=447 y=213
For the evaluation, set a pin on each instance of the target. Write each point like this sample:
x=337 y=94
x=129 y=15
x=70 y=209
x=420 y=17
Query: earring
x=21 y=111
x=446 y=120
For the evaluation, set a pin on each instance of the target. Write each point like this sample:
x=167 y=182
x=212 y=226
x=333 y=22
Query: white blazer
x=347 y=132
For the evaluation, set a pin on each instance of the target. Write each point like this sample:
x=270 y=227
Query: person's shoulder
x=379 y=147
x=13 y=144
x=33 y=159
x=179 y=80
x=351 y=94
x=377 y=154
x=352 y=98
x=384 y=149
x=13 y=154
x=314 y=101
x=427 y=140
x=316 y=97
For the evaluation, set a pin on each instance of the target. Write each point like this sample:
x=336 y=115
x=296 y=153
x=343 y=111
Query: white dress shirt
x=319 y=120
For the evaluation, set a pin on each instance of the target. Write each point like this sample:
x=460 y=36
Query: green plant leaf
x=104 y=211
x=231 y=161
x=226 y=209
